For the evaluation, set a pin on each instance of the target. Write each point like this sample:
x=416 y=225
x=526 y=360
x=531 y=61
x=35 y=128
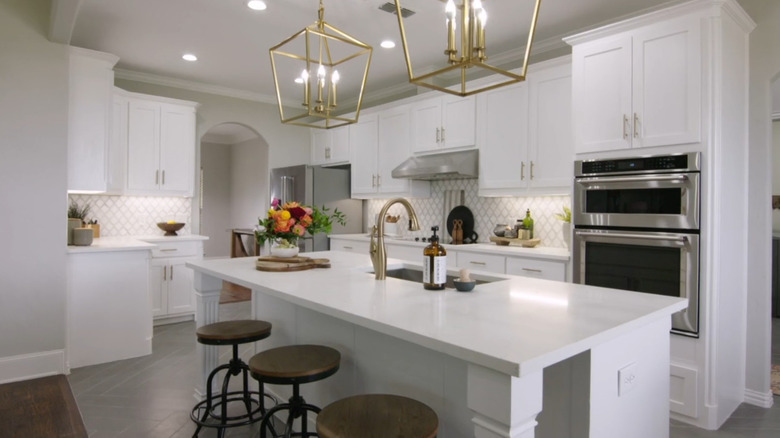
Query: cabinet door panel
x=181 y=298
x=320 y=143
x=177 y=148
x=602 y=95
x=426 y=120
x=363 y=138
x=548 y=270
x=550 y=133
x=459 y=126
x=158 y=275
x=339 y=145
x=393 y=148
x=667 y=84
x=143 y=146
x=503 y=138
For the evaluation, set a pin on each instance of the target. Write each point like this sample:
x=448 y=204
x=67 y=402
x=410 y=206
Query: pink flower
x=275 y=202
x=299 y=229
x=308 y=210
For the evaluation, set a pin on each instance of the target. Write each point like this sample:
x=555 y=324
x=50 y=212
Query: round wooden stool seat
x=377 y=416
x=295 y=364
x=233 y=332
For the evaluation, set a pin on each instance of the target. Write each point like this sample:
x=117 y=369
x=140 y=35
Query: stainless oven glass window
x=639 y=268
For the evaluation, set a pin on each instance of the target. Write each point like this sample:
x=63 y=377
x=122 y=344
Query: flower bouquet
x=284 y=224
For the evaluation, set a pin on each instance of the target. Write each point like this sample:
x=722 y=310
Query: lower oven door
x=662 y=263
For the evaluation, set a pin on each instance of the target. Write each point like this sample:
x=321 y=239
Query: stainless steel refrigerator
x=319 y=186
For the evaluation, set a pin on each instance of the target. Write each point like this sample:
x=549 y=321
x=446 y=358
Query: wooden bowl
x=170 y=229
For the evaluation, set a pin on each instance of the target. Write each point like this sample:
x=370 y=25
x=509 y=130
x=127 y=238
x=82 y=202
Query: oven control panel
x=648 y=164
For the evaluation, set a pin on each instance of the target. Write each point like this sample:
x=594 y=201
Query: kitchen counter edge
x=130 y=243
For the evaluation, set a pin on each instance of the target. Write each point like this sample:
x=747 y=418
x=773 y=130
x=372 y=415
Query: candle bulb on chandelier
x=320 y=82
x=481 y=21
x=450 y=10
x=305 y=80
x=334 y=79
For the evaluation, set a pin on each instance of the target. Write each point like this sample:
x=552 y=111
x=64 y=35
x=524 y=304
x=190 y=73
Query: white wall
x=215 y=161
x=764 y=67
x=33 y=176
x=249 y=183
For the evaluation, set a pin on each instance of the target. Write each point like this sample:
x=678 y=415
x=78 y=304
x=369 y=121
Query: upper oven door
x=669 y=201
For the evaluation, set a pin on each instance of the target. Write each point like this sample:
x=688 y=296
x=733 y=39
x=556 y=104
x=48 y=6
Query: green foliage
x=76 y=212
x=565 y=216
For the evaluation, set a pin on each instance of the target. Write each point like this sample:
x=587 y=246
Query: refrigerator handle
x=288 y=188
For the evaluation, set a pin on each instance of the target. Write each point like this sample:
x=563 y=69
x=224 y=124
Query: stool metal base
x=297 y=408
x=213 y=410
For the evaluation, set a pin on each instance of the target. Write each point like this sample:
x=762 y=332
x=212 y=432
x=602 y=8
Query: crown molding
x=193 y=86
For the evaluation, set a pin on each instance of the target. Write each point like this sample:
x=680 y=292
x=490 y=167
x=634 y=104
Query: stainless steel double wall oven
x=636 y=227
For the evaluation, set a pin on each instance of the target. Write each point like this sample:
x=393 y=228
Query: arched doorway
x=233 y=184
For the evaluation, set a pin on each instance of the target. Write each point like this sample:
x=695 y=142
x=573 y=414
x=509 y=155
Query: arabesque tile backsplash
x=135 y=215
x=487 y=211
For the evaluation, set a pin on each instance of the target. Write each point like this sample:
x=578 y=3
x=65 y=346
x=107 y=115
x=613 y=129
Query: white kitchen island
x=491 y=362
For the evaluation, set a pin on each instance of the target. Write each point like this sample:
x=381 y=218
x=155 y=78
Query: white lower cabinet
x=171 y=282
x=348 y=246
x=527 y=267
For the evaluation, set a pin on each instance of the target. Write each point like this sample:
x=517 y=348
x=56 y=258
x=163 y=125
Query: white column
x=504 y=406
x=207 y=290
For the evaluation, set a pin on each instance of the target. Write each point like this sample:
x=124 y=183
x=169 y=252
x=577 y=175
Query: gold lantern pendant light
x=471 y=19
x=310 y=69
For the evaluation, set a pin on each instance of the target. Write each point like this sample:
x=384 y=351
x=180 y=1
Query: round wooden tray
x=504 y=241
x=289 y=264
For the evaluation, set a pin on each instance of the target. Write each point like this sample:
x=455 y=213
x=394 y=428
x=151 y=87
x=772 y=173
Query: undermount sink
x=415 y=274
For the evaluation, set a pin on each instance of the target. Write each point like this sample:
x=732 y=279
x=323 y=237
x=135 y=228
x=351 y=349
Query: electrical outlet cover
x=627 y=379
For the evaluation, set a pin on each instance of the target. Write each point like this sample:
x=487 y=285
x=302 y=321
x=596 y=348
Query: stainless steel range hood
x=449 y=165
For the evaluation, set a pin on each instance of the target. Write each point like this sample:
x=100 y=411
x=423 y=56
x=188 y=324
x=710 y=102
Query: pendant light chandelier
x=313 y=69
x=470 y=18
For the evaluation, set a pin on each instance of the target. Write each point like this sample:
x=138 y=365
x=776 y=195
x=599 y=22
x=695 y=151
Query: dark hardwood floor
x=40 y=408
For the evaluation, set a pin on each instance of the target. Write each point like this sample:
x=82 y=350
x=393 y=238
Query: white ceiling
x=232 y=41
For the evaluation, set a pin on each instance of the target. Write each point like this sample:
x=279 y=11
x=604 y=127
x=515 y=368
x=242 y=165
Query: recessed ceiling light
x=257 y=5
x=299 y=80
x=189 y=57
x=387 y=44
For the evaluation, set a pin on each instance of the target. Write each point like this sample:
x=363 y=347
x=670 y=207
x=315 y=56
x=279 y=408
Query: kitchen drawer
x=549 y=270
x=403 y=252
x=349 y=246
x=176 y=249
x=482 y=262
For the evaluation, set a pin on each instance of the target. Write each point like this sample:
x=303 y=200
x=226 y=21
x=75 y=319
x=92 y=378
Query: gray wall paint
x=249 y=185
x=216 y=160
x=33 y=176
x=764 y=67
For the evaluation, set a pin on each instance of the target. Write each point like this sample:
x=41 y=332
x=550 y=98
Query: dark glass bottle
x=434 y=264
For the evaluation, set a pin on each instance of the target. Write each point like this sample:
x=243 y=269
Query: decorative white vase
x=566 y=230
x=278 y=251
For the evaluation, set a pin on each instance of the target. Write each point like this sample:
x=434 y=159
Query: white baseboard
x=760 y=399
x=31 y=366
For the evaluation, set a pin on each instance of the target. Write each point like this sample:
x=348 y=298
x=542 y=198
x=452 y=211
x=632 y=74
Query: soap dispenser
x=434 y=263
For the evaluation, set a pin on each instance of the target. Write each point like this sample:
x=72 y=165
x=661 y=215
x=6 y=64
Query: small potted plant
x=565 y=217
x=76 y=218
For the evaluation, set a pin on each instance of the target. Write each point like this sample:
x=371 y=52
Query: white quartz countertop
x=515 y=326
x=130 y=243
x=542 y=252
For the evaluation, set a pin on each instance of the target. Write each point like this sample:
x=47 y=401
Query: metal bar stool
x=213 y=410
x=293 y=365
x=377 y=416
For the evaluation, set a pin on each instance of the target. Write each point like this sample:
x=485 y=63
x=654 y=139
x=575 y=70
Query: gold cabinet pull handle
x=437 y=135
x=478 y=263
x=171 y=273
x=348 y=247
x=636 y=125
x=532 y=270
x=156 y=177
x=165 y=273
x=532 y=170
x=522 y=171
x=625 y=126
x=442 y=134
x=163 y=178
x=373 y=180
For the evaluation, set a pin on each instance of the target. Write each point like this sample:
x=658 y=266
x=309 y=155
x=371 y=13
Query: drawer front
x=349 y=246
x=177 y=249
x=546 y=269
x=482 y=262
x=408 y=253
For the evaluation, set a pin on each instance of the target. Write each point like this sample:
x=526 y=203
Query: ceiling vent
x=390 y=7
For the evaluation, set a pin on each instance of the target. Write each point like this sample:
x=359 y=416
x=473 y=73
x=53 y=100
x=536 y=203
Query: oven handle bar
x=604 y=179
x=681 y=239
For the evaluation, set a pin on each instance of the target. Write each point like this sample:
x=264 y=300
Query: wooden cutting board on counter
x=289 y=264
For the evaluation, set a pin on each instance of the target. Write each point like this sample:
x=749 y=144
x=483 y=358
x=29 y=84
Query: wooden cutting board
x=289 y=264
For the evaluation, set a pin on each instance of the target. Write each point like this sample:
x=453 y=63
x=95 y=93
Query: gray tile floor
x=152 y=396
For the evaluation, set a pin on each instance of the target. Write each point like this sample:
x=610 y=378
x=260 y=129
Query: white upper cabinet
x=640 y=88
x=330 y=146
x=525 y=134
x=379 y=143
x=160 y=146
x=117 y=155
x=90 y=89
x=443 y=122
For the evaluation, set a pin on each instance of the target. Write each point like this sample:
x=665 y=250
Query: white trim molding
x=31 y=366
x=760 y=399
